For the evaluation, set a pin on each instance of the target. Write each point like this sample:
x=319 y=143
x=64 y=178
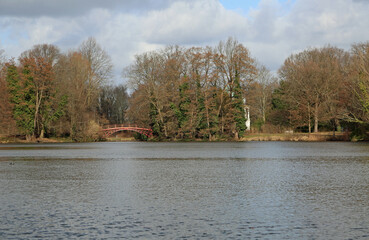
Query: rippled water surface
x=261 y=190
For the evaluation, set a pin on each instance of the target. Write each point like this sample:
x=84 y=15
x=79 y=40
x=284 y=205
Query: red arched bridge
x=111 y=129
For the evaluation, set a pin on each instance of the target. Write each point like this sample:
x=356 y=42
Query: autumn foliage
x=192 y=93
x=47 y=93
x=184 y=93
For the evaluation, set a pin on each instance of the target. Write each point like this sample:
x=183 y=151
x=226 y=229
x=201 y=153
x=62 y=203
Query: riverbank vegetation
x=47 y=93
x=186 y=93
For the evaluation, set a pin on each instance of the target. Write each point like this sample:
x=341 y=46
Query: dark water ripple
x=185 y=191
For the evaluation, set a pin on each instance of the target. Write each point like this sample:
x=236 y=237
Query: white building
x=247 y=115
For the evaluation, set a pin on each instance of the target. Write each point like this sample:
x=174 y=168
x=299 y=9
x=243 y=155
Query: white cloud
x=272 y=31
x=189 y=23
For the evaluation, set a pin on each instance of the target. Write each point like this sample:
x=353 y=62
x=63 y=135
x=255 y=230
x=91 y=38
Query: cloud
x=57 y=8
x=192 y=23
x=277 y=33
x=272 y=30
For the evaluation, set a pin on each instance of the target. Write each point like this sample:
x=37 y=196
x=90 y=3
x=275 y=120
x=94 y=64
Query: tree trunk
x=208 y=122
x=28 y=137
x=264 y=108
x=222 y=125
x=309 y=126
x=42 y=134
x=162 y=122
x=309 y=119
x=37 y=105
x=316 y=119
x=236 y=136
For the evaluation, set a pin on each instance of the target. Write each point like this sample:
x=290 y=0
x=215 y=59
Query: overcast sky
x=270 y=29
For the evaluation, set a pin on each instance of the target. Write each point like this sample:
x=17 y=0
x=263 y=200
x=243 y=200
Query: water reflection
x=195 y=190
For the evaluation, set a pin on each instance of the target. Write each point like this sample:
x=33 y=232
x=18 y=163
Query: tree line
x=205 y=92
x=192 y=93
x=184 y=92
x=47 y=93
x=325 y=88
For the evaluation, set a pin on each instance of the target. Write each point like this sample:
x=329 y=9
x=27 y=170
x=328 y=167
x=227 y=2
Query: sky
x=271 y=29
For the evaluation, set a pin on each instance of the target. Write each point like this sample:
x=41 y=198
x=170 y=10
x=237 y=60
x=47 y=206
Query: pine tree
x=238 y=108
x=22 y=96
x=201 y=117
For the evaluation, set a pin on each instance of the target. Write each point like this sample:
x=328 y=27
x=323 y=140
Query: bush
x=359 y=133
x=140 y=137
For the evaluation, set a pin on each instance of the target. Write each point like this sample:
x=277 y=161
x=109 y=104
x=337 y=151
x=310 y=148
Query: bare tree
x=359 y=73
x=113 y=103
x=313 y=80
x=259 y=95
x=145 y=75
x=100 y=66
x=236 y=70
x=72 y=77
x=48 y=52
x=99 y=60
x=193 y=92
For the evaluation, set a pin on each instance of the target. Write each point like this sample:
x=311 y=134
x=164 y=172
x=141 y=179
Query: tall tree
x=359 y=68
x=22 y=97
x=7 y=123
x=259 y=95
x=313 y=79
x=72 y=79
x=145 y=75
x=100 y=67
x=39 y=73
x=237 y=70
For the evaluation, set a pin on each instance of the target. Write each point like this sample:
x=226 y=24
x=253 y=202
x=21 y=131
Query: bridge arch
x=110 y=130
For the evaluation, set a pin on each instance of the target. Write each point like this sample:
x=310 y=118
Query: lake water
x=253 y=190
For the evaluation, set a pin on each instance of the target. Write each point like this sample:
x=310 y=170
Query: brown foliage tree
x=314 y=79
x=359 y=73
x=99 y=65
x=40 y=73
x=7 y=123
x=259 y=94
x=72 y=77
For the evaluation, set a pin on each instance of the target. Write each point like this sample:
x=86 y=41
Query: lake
x=140 y=190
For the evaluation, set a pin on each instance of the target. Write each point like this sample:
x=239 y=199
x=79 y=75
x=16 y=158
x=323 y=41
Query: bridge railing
x=114 y=126
x=118 y=125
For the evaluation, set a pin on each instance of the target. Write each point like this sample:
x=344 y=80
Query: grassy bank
x=20 y=139
x=121 y=139
x=298 y=137
x=294 y=137
x=17 y=139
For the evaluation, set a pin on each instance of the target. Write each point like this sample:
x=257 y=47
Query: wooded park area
x=184 y=93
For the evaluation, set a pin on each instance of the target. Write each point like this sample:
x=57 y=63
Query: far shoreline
x=250 y=137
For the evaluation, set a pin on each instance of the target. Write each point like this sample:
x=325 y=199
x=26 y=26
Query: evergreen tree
x=154 y=121
x=22 y=96
x=184 y=102
x=201 y=117
x=238 y=108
